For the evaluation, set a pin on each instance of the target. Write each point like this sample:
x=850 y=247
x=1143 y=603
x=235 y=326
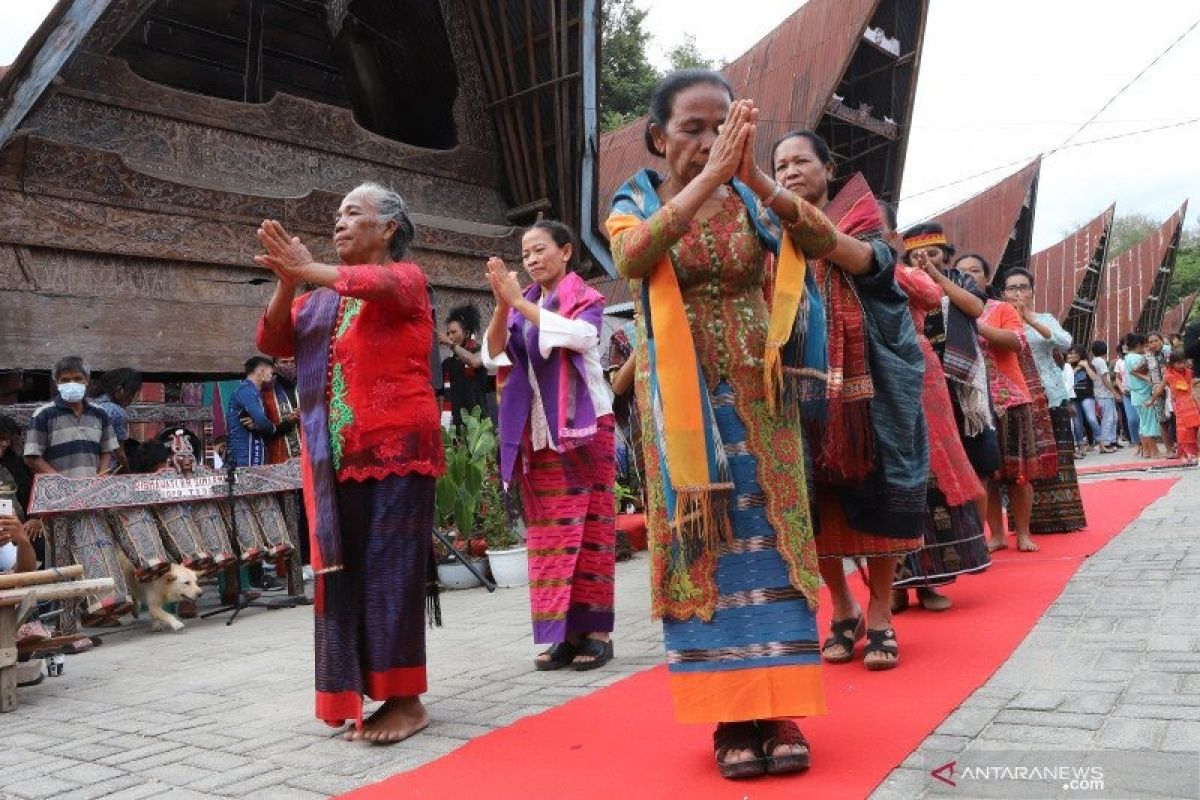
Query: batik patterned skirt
x=1022 y=459
x=953 y=544
x=570 y=516
x=758 y=658
x=1057 y=504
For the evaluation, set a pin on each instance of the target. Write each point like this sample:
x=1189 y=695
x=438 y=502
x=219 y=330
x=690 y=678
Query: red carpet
x=1140 y=465
x=622 y=741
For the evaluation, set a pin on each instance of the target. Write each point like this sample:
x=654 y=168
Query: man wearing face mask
x=70 y=435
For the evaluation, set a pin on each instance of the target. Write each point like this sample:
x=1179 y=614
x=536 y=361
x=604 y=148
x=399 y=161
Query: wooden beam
x=44 y=65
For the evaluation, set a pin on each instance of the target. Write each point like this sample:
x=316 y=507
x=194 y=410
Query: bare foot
x=394 y=721
x=996 y=544
x=1026 y=544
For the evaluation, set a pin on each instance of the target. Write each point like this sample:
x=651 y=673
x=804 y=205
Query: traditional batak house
x=997 y=223
x=845 y=68
x=144 y=140
x=1135 y=283
x=1178 y=315
x=1067 y=275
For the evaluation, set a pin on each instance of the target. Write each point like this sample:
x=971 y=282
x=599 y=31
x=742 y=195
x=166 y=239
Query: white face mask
x=72 y=392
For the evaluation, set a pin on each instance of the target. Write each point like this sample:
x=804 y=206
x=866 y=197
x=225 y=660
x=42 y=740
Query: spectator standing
x=1104 y=397
x=116 y=390
x=465 y=380
x=249 y=427
x=69 y=435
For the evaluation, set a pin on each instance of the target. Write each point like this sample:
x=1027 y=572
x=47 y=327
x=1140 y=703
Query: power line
x=1131 y=82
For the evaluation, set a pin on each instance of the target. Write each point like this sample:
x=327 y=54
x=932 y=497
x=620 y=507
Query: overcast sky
x=1000 y=81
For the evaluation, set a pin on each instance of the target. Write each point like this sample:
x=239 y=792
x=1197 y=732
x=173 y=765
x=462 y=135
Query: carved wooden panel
x=285 y=118
x=117 y=21
x=200 y=155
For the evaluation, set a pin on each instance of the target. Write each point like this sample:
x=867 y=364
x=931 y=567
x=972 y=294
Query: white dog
x=179 y=583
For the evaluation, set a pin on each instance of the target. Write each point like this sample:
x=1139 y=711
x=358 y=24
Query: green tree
x=626 y=75
x=686 y=55
x=1128 y=230
x=1187 y=268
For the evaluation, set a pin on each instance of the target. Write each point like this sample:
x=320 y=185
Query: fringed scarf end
x=773 y=376
x=701 y=519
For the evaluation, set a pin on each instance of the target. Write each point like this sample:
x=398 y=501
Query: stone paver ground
x=216 y=711
x=1109 y=677
x=226 y=712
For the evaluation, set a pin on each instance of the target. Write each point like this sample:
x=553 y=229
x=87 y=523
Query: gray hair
x=389 y=205
x=71 y=364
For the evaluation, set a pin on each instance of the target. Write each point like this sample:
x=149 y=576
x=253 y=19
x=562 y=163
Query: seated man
x=16 y=551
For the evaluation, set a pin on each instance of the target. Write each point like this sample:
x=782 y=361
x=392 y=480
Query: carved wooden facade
x=130 y=189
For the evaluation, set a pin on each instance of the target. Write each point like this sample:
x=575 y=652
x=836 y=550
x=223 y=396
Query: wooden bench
x=19 y=596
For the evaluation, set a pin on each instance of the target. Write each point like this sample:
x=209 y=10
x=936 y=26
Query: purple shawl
x=561 y=378
x=314 y=329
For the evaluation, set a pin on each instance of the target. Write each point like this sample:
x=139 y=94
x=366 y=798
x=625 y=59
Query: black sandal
x=601 y=653
x=560 y=655
x=738 y=736
x=846 y=633
x=779 y=733
x=882 y=641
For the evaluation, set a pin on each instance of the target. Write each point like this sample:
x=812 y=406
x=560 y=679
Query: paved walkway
x=226 y=712
x=1108 y=678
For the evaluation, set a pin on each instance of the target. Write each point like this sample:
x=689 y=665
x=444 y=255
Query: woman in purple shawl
x=556 y=438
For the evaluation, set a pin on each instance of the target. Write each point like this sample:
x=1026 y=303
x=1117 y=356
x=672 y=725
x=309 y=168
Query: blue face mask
x=72 y=392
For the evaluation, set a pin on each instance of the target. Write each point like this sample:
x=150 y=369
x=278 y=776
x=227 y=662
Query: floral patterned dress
x=757 y=657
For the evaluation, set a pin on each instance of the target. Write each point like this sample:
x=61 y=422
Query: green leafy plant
x=494 y=522
x=468 y=452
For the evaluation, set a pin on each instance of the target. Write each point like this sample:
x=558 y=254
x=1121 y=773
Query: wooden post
x=17 y=580
x=8 y=655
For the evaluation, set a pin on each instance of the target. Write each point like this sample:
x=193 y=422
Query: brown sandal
x=731 y=736
x=778 y=733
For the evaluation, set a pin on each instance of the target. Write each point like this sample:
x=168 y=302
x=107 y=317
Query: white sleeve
x=555 y=330
x=492 y=363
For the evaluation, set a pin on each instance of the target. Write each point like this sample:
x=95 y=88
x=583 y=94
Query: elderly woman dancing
x=372 y=453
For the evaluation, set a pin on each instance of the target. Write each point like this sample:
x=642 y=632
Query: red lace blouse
x=383 y=418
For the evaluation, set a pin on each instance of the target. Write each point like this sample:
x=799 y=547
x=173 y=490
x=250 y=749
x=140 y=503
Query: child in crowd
x=1178 y=377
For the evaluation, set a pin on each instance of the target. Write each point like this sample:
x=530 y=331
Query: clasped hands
x=505 y=287
x=286 y=255
x=732 y=152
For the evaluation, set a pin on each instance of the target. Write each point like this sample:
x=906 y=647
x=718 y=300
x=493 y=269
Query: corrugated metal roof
x=1059 y=269
x=615 y=291
x=1129 y=279
x=1177 y=315
x=790 y=74
x=985 y=223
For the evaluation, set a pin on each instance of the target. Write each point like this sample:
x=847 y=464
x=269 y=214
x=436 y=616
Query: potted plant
x=506 y=552
x=630 y=519
x=458 y=495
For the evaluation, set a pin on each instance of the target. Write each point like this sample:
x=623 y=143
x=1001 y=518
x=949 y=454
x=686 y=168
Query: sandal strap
x=781 y=732
x=736 y=736
x=882 y=641
x=593 y=647
x=843 y=632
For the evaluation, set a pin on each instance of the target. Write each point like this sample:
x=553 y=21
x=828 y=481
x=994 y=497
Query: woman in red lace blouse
x=372 y=452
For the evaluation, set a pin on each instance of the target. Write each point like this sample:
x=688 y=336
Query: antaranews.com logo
x=1062 y=773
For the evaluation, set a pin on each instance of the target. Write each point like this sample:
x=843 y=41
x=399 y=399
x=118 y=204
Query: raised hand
x=505 y=287
x=748 y=171
x=725 y=156
x=286 y=255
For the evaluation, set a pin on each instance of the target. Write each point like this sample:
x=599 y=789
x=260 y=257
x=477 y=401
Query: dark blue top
x=246 y=447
